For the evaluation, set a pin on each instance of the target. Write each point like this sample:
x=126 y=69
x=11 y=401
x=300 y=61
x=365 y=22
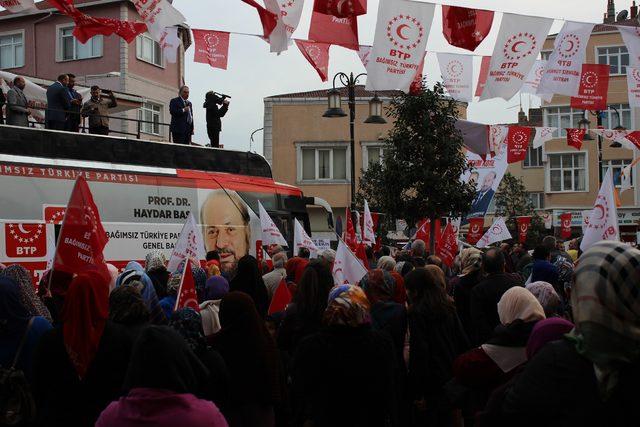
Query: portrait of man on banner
x=485 y=176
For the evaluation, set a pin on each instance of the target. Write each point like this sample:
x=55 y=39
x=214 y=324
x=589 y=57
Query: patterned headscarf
x=153 y=260
x=606 y=309
x=199 y=280
x=188 y=323
x=378 y=285
x=126 y=305
x=471 y=260
x=348 y=306
x=565 y=274
x=174 y=284
x=212 y=268
x=28 y=297
x=546 y=295
x=134 y=272
x=387 y=263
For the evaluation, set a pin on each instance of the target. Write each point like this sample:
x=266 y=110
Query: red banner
x=329 y=29
x=318 y=56
x=268 y=19
x=212 y=47
x=484 y=73
x=350 y=233
x=575 y=137
x=565 y=225
x=523 y=227
x=594 y=85
x=187 y=296
x=340 y=8
x=447 y=248
x=517 y=143
x=424 y=231
x=465 y=28
x=634 y=138
x=476 y=230
x=281 y=298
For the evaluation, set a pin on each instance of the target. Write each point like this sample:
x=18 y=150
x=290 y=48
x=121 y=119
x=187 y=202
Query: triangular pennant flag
x=158 y=15
x=625 y=178
x=170 y=42
x=288 y=13
x=466 y=28
x=281 y=298
x=517 y=143
x=575 y=137
x=271 y=235
x=318 y=56
x=368 y=235
x=543 y=135
x=347 y=268
x=593 y=88
x=565 y=225
x=496 y=233
x=603 y=222
x=302 y=240
x=189 y=244
x=457 y=75
x=268 y=19
x=15 y=6
x=211 y=47
x=340 y=8
x=331 y=30
x=447 y=248
x=523 y=227
x=532 y=81
x=484 y=73
x=187 y=296
x=364 y=52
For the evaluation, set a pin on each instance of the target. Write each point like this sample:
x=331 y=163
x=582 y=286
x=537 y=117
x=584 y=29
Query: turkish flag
x=318 y=56
x=329 y=29
x=517 y=143
x=447 y=247
x=268 y=19
x=350 y=233
x=465 y=28
x=82 y=237
x=187 y=296
x=424 y=231
x=212 y=47
x=484 y=73
x=340 y=8
x=565 y=225
x=594 y=85
x=575 y=137
x=523 y=227
x=281 y=298
x=476 y=230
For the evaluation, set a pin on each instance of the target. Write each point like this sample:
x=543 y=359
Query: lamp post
x=335 y=110
x=584 y=124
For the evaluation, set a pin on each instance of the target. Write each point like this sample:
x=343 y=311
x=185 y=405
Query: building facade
x=39 y=45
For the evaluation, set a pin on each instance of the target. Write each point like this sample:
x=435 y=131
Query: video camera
x=219 y=97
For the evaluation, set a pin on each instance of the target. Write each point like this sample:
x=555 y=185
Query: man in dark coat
x=17 y=105
x=72 y=122
x=214 y=124
x=483 y=196
x=486 y=294
x=58 y=103
x=181 y=111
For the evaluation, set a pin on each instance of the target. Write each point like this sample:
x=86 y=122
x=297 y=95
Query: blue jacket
x=179 y=123
x=57 y=99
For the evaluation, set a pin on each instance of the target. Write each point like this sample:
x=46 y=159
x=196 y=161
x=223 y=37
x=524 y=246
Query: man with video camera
x=214 y=124
x=97 y=109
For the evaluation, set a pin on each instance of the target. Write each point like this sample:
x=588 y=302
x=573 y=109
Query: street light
x=334 y=109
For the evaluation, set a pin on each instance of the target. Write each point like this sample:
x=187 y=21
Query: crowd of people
x=505 y=337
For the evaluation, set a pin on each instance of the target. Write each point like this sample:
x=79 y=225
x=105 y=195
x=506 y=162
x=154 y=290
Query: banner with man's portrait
x=485 y=176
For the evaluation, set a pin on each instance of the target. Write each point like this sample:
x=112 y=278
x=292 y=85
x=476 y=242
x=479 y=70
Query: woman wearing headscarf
x=546 y=331
x=134 y=271
x=344 y=375
x=168 y=303
x=436 y=338
x=462 y=285
x=18 y=325
x=188 y=323
x=215 y=288
x=162 y=380
x=387 y=263
x=79 y=368
x=252 y=359
x=155 y=266
x=249 y=280
x=487 y=367
x=589 y=377
x=28 y=297
x=51 y=291
x=127 y=307
x=547 y=297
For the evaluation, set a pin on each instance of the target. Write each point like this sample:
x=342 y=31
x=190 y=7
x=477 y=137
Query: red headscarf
x=85 y=312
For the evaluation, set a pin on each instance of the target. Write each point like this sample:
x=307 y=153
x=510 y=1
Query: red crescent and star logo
x=519 y=137
x=636 y=75
x=600 y=213
x=569 y=46
x=523 y=227
x=496 y=229
x=519 y=46
x=405 y=32
x=475 y=228
x=455 y=68
x=590 y=80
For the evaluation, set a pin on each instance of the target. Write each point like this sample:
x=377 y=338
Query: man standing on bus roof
x=72 y=123
x=57 y=103
x=97 y=109
x=17 y=105
x=225 y=220
x=181 y=117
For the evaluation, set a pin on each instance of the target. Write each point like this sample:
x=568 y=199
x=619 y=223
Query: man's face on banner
x=487 y=183
x=225 y=228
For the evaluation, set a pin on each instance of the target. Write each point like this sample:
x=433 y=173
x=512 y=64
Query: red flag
x=82 y=237
x=187 y=296
x=416 y=84
x=318 y=56
x=575 y=137
x=268 y=19
x=447 y=247
x=329 y=29
x=212 y=47
x=361 y=254
x=594 y=85
x=476 y=229
x=340 y=8
x=465 y=28
x=350 y=233
x=634 y=138
x=484 y=73
x=281 y=298
x=438 y=231
x=523 y=227
x=517 y=143
x=424 y=231
x=565 y=225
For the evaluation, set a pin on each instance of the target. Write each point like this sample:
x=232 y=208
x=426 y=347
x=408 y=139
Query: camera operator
x=97 y=110
x=214 y=124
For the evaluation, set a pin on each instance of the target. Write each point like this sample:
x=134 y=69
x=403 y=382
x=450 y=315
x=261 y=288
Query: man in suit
x=17 y=105
x=214 y=124
x=483 y=197
x=58 y=103
x=181 y=117
x=72 y=122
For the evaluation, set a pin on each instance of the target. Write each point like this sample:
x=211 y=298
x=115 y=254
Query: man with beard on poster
x=483 y=196
x=225 y=219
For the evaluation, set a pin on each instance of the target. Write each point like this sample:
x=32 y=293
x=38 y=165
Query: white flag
x=532 y=82
x=603 y=222
x=457 y=75
x=288 y=13
x=270 y=233
x=369 y=236
x=189 y=244
x=302 y=240
x=401 y=36
x=631 y=37
x=519 y=42
x=347 y=268
x=15 y=6
x=158 y=15
x=543 y=134
x=585 y=219
x=497 y=136
x=625 y=178
x=170 y=42
x=633 y=86
x=615 y=135
x=496 y=233
x=455 y=224
x=548 y=220
x=364 y=52
x=564 y=68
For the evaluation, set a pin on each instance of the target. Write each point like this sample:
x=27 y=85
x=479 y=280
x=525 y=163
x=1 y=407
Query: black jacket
x=214 y=114
x=484 y=303
x=462 y=288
